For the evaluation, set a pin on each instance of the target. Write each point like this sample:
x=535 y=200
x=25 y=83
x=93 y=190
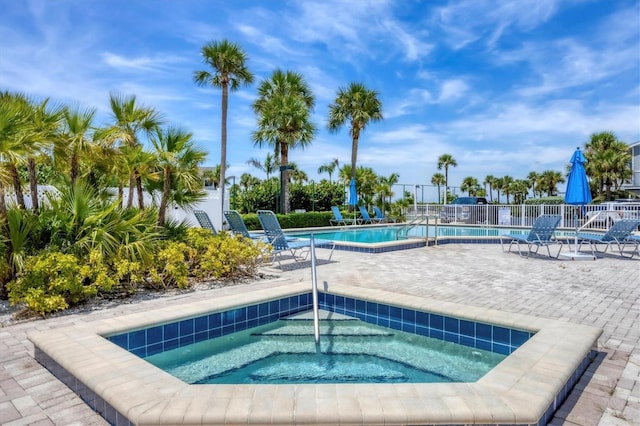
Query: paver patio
x=605 y=293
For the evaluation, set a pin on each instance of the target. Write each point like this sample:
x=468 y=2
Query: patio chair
x=619 y=235
x=366 y=218
x=203 y=220
x=380 y=216
x=298 y=248
x=339 y=220
x=238 y=226
x=541 y=235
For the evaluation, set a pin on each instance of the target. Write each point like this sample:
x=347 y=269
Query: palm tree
x=470 y=186
x=358 y=105
x=270 y=165
x=385 y=186
x=446 y=161
x=489 y=181
x=284 y=107
x=76 y=141
x=329 y=168
x=506 y=182
x=438 y=180
x=228 y=72
x=130 y=121
x=178 y=160
x=549 y=180
x=533 y=178
x=608 y=162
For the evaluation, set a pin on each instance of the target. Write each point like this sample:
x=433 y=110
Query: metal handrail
x=314 y=290
x=408 y=226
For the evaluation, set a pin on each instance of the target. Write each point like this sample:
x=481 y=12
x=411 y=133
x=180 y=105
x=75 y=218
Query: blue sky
x=505 y=87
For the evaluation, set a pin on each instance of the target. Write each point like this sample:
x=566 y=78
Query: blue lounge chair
x=619 y=235
x=298 y=248
x=541 y=235
x=339 y=220
x=203 y=220
x=380 y=216
x=366 y=218
x=238 y=226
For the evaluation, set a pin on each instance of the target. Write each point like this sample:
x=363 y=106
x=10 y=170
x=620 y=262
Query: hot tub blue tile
x=137 y=339
x=519 y=337
x=395 y=313
x=422 y=318
x=170 y=331
x=121 y=340
x=156 y=348
x=215 y=320
x=483 y=331
x=201 y=324
x=408 y=315
x=186 y=327
x=451 y=325
x=451 y=337
x=468 y=328
x=171 y=344
x=501 y=335
x=154 y=335
x=436 y=322
x=263 y=309
x=483 y=344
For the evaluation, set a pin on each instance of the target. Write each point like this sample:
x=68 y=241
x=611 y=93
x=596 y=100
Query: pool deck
x=604 y=293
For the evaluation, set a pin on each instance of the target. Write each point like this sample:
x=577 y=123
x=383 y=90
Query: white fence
x=599 y=216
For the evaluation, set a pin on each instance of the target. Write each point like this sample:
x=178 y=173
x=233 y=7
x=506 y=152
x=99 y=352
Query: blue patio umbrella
x=578 y=192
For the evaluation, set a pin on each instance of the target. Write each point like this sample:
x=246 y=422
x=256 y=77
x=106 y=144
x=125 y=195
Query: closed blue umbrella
x=353 y=198
x=578 y=192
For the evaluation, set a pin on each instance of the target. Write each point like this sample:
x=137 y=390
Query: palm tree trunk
x=15 y=178
x=165 y=196
x=131 y=186
x=33 y=185
x=139 y=189
x=284 y=190
x=3 y=203
x=223 y=142
x=74 y=169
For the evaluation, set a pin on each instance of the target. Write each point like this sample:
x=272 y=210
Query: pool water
x=350 y=351
x=393 y=233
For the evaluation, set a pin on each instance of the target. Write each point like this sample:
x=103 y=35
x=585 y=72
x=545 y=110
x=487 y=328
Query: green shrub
x=51 y=281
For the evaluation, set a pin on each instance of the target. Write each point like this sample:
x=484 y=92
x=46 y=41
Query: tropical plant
x=549 y=180
x=75 y=142
x=533 y=178
x=608 y=162
x=269 y=166
x=505 y=184
x=445 y=161
x=130 y=121
x=329 y=168
x=438 y=180
x=489 y=181
x=228 y=71
x=178 y=160
x=470 y=185
x=358 y=105
x=284 y=107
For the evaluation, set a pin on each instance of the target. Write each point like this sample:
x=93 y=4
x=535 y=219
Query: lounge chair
x=298 y=248
x=203 y=219
x=339 y=220
x=366 y=218
x=380 y=216
x=619 y=235
x=238 y=226
x=541 y=235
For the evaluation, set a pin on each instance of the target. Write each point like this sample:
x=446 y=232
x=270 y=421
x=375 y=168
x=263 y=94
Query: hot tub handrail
x=314 y=290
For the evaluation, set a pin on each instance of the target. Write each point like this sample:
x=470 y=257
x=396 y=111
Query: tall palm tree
x=445 y=161
x=533 y=178
x=438 y=180
x=470 y=186
x=228 y=71
x=489 y=181
x=549 y=180
x=329 y=168
x=385 y=186
x=269 y=166
x=608 y=162
x=359 y=106
x=284 y=107
x=76 y=141
x=131 y=121
x=506 y=182
x=178 y=159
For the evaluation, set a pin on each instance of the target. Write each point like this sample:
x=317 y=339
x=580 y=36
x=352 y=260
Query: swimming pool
x=525 y=388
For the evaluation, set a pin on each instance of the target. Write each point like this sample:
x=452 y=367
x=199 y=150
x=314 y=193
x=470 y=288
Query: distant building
x=633 y=185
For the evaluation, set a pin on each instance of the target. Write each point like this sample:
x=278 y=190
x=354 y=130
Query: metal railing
x=599 y=216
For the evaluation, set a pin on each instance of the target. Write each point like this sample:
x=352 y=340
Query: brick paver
x=605 y=293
